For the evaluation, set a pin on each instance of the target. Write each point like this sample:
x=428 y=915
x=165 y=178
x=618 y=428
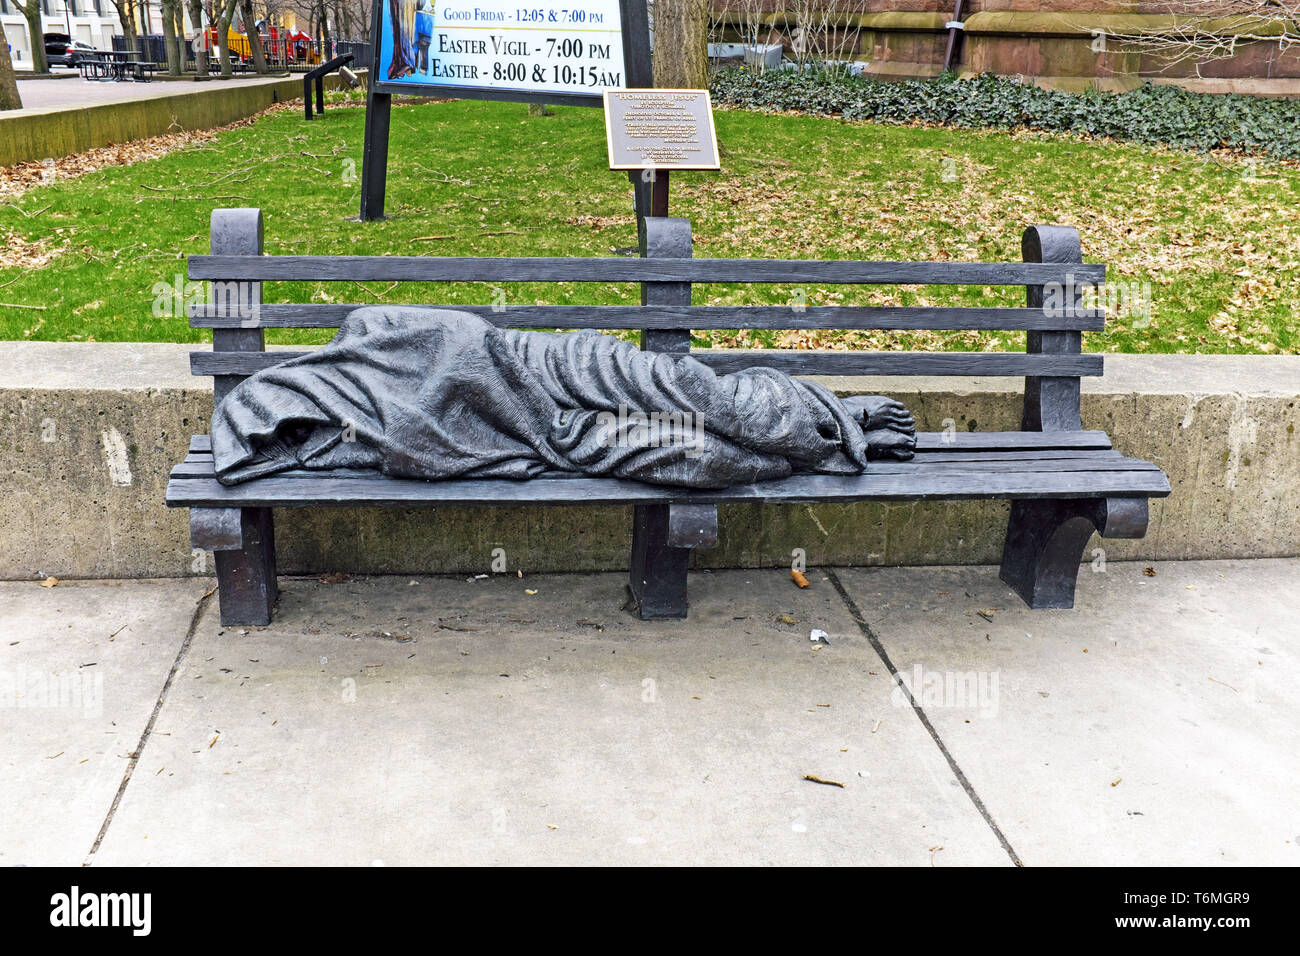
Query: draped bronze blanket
x=433 y=393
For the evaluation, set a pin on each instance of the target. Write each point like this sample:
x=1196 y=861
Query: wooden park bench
x=1063 y=482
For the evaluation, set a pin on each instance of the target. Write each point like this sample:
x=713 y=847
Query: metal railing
x=281 y=57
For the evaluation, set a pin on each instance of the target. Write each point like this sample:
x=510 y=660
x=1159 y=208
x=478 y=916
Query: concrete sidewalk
x=43 y=94
x=62 y=117
x=445 y=720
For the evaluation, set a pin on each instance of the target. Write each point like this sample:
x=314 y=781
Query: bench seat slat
x=203 y=469
x=542 y=269
x=919 y=486
x=933 y=441
x=330 y=316
x=1010 y=441
x=1096 y=456
x=793 y=361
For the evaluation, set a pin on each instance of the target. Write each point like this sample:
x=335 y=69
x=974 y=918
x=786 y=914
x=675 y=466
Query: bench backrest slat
x=1011 y=319
x=795 y=362
x=504 y=269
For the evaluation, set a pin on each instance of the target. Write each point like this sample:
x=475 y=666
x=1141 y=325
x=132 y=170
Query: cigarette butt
x=799 y=579
x=813 y=778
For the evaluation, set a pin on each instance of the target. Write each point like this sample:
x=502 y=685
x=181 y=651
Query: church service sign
x=567 y=52
x=502 y=49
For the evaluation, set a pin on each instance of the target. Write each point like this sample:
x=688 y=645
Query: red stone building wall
x=1053 y=42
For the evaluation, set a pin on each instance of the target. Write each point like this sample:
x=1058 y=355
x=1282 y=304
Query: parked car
x=62 y=50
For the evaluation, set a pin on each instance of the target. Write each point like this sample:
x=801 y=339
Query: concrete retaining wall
x=29 y=135
x=89 y=431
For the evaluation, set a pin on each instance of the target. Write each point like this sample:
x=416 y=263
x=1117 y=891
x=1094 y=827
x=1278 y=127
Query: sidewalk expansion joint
x=199 y=608
x=879 y=648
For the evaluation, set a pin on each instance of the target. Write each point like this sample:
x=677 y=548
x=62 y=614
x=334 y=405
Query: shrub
x=1166 y=115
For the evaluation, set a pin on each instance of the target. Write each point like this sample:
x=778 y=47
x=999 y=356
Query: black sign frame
x=634 y=24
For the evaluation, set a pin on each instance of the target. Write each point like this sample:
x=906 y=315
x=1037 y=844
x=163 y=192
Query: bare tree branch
x=1181 y=31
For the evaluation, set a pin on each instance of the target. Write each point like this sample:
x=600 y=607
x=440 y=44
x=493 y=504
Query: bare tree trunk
x=126 y=17
x=681 y=53
x=169 y=37
x=197 y=18
x=31 y=10
x=345 y=23
x=223 y=35
x=254 y=38
x=325 y=35
x=178 y=20
x=9 y=98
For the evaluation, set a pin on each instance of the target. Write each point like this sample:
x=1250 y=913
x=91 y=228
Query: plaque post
x=659 y=198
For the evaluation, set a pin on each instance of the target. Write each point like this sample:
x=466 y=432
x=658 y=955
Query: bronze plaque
x=660 y=129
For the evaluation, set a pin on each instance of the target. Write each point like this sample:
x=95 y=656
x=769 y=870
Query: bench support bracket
x=1046 y=541
x=1052 y=403
x=663 y=535
x=658 y=572
x=244 y=554
x=692 y=526
x=246 y=584
x=216 y=529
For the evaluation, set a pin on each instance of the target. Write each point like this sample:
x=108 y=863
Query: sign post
x=524 y=51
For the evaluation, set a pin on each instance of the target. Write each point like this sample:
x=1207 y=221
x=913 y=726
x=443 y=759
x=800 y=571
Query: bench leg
x=1046 y=540
x=663 y=537
x=658 y=575
x=246 y=574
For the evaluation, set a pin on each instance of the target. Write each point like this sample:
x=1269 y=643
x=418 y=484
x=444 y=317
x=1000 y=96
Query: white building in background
x=90 y=21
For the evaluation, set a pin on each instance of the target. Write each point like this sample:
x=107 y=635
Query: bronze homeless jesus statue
x=432 y=393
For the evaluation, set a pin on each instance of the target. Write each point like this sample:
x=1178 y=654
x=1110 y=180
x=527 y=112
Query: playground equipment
x=287 y=47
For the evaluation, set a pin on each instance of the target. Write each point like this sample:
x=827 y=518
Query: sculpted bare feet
x=877 y=411
x=890 y=428
x=890 y=444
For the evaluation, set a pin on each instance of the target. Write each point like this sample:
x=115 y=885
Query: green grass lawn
x=1218 y=241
